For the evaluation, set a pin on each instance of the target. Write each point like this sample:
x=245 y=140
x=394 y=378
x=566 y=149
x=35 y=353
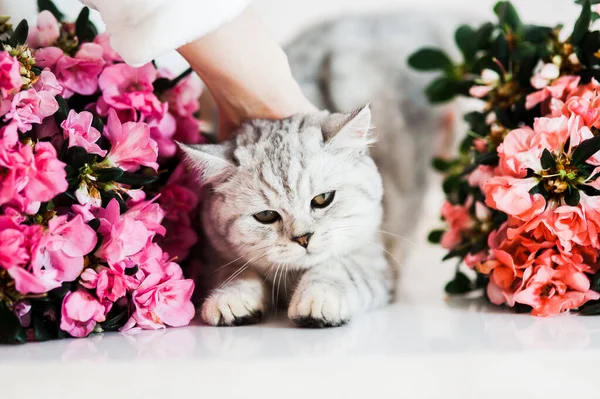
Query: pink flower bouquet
x=523 y=195
x=94 y=207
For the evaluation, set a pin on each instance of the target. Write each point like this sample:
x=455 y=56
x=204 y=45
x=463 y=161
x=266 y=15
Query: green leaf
x=430 y=59
x=441 y=164
x=491 y=158
x=435 y=236
x=595 y=282
x=486 y=62
x=456 y=253
x=585 y=150
x=94 y=224
x=108 y=174
x=115 y=319
x=589 y=190
x=63 y=110
x=464 y=38
x=441 y=90
x=572 y=196
x=461 y=284
x=98 y=124
x=19 y=35
x=548 y=161
x=77 y=157
x=483 y=35
x=526 y=56
x=500 y=51
x=537 y=34
x=163 y=84
x=582 y=25
x=84 y=28
x=590 y=310
x=47 y=5
x=136 y=179
x=11 y=331
x=508 y=16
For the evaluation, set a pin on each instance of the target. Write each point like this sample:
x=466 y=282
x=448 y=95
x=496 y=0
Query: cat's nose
x=303 y=239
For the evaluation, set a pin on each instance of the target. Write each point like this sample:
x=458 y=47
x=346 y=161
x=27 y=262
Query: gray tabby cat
x=295 y=211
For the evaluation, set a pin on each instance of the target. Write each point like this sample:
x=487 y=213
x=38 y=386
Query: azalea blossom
x=131 y=145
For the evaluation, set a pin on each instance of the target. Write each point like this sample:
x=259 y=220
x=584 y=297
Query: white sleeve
x=142 y=30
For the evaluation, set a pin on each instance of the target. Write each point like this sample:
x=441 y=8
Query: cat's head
x=295 y=191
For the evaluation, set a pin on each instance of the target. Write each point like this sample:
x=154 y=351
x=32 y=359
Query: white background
x=425 y=346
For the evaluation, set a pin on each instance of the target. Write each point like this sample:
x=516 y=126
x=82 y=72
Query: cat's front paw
x=320 y=305
x=231 y=306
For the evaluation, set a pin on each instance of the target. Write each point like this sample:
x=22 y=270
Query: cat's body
x=332 y=246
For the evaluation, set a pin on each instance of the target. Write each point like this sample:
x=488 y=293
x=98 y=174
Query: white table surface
x=424 y=346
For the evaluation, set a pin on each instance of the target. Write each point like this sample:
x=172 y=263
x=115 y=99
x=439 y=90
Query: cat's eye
x=267 y=217
x=322 y=200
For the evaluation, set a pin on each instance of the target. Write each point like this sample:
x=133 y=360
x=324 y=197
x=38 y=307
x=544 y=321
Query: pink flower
x=57 y=256
x=10 y=75
x=557 y=89
x=570 y=226
x=184 y=99
x=506 y=280
x=127 y=90
x=109 y=55
x=48 y=83
x=481 y=175
x=489 y=80
x=112 y=283
x=79 y=74
x=551 y=291
x=13 y=244
x=150 y=214
x=178 y=201
x=519 y=151
x=45 y=33
x=178 y=241
x=131 y=144
x=123 y=234
x=8 y=136
x=459 y=220
x=22 y=310
x=162 y=132
x=189 y=130
x=80 y=313
x=29 y=107
x=47 y=57
x=47 y=177
x=511 y=196
x=50 y=130
x=585 y=102
x=546 y=74
x=78 y=129
x=157 y=305
x=152 y=260
x=14 y=166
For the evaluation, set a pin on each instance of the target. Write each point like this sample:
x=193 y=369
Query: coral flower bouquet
x=523 y=194
x=95 y=212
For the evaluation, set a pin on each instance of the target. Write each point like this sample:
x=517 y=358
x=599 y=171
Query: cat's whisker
x=396 y=235
x=273 y=288
x=240 y=270
x=236 y=259
x=380 y=247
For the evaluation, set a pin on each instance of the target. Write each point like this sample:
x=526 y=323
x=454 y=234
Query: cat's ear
x=211 y=161
x=351 y=131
